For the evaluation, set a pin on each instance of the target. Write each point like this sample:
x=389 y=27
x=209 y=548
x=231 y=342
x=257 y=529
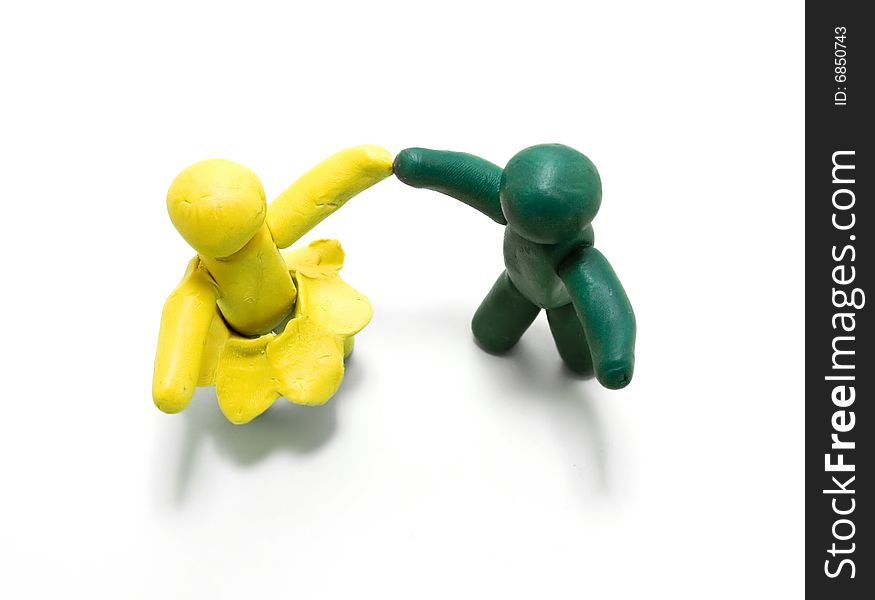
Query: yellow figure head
x=217 y=205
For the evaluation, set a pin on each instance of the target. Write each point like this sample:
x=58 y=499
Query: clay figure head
x=217 y=205
x=550 y=193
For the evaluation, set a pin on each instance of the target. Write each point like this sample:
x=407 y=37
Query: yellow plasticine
x=189 y=314
x=217 y=337
x=244 y=385
x=323 y=295
x=217 y=205
x=325 y=188
x=216 y=327
x=304 y=362
x=257 y=289
x=317 y=259
x=307 y=360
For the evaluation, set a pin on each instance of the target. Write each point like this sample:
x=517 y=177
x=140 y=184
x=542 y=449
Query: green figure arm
x=606 y=314
x=465 y=177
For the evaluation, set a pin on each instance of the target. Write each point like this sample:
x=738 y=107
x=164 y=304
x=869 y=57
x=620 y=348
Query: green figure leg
x=570 y=339
x=503 y=317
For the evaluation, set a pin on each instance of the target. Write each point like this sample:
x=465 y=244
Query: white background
x=437 y=471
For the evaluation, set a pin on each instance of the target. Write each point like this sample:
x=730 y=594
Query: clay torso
x=532 y=266
x=256 y=290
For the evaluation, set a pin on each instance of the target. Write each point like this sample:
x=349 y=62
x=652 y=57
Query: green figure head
x=550 y=193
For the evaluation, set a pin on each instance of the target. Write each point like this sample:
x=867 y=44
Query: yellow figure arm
x=185 y=323
x=325 y=188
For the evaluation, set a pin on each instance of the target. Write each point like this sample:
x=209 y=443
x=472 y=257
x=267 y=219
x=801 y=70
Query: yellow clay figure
x=256 y=323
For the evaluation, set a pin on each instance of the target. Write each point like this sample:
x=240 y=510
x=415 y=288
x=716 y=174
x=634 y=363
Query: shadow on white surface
x=526 y=398
x=533 y=373
x=284 y=427
x=514 y=412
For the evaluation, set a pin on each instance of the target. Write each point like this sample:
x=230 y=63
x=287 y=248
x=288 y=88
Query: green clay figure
x=547 y=196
